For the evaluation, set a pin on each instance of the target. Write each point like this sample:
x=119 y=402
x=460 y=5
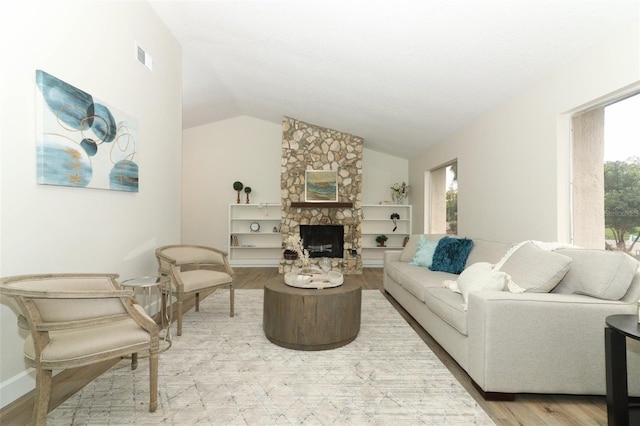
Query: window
x=444 y=199
x=622 y=175
x=606 y=177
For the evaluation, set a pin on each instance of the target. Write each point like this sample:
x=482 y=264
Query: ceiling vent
x=144 y=58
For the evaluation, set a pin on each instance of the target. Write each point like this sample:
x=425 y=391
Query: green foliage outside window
x=622 y=202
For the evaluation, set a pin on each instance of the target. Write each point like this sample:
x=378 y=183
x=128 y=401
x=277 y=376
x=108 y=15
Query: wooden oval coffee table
x=311 y=319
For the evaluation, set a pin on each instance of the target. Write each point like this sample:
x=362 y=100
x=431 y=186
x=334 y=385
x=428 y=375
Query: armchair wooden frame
x=46 y=303
x=193 y=268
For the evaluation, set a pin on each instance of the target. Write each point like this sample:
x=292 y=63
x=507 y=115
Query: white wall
x=49 y=229
x=249 y=150
x=214 y=156
x=379 y=172
x=513 y=161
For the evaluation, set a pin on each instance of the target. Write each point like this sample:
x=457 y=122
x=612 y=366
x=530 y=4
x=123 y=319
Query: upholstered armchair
x=192 y=269
x=76 y=320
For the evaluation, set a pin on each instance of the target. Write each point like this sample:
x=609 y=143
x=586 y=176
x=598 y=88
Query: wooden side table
x=311 y=319
x=619 y=411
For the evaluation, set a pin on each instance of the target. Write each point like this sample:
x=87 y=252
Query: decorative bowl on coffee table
x=316 y=280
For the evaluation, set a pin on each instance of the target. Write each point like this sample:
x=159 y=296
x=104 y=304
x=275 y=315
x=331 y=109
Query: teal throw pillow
x=451 y=255
x=424 y=252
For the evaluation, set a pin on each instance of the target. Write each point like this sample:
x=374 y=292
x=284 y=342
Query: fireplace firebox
x=323 y=240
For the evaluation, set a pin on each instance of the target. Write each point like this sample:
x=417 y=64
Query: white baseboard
x=16 y=386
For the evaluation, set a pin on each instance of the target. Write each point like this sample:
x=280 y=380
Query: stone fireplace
x=309 y=147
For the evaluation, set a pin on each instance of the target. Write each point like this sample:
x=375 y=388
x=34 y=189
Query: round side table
x=619 y=410
x=154 y=304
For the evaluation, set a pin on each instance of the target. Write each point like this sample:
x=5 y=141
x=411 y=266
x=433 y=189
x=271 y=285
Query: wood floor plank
x=525 y=410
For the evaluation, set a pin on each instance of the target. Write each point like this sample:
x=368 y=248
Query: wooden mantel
x=322 y=205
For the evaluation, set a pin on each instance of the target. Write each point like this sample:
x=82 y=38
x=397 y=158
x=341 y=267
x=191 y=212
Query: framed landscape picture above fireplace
x=321 y=186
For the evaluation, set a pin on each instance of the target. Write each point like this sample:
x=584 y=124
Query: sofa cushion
x=415 y=279
x=424 y=252
x=409 y=249
x=534 y=269
x=451 y=255
x=487 y=251
x=598 y=273
x=447 y=305
x=480 y=276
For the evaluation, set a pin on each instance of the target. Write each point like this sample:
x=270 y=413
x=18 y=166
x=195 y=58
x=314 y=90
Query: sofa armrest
x=546 y=340
x=392 y=256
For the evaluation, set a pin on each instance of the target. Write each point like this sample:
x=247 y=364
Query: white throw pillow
x=481 y=276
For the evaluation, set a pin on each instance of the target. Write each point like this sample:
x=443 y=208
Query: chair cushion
x=203 y=278
x=90 y=341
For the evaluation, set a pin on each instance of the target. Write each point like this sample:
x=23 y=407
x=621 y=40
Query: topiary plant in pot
x=237 y=185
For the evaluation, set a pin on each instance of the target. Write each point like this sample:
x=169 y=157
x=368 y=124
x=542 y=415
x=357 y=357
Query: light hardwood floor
x=525 y=410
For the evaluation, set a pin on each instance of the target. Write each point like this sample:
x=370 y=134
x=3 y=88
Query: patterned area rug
x=223 y=370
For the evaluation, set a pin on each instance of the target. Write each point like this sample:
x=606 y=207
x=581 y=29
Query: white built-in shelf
x=376 y=220
x=255 y=248
x=264 y=248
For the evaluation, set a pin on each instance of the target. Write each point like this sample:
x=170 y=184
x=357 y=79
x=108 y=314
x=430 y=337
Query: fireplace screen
x=323 y=240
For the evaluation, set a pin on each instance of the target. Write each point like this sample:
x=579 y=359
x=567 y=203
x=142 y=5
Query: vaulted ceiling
x=401 y=74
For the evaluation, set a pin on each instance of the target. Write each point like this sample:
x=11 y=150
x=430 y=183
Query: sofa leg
x=499 y=396
x=494 y=396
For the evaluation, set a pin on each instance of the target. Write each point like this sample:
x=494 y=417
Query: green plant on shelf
x=381 y=239
x=237 y=186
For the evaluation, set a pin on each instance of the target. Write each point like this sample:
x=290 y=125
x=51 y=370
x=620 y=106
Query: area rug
x=224 y=371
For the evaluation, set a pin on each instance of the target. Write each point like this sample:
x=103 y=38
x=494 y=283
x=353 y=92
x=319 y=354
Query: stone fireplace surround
x=309 y=147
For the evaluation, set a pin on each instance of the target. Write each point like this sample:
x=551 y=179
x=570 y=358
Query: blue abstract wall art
x=82 y=141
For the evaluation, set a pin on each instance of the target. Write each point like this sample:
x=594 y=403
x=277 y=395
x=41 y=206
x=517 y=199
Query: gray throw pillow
x=536 y=270
x=598 y=273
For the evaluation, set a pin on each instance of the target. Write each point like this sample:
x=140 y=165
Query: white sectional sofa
x=531 y=342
